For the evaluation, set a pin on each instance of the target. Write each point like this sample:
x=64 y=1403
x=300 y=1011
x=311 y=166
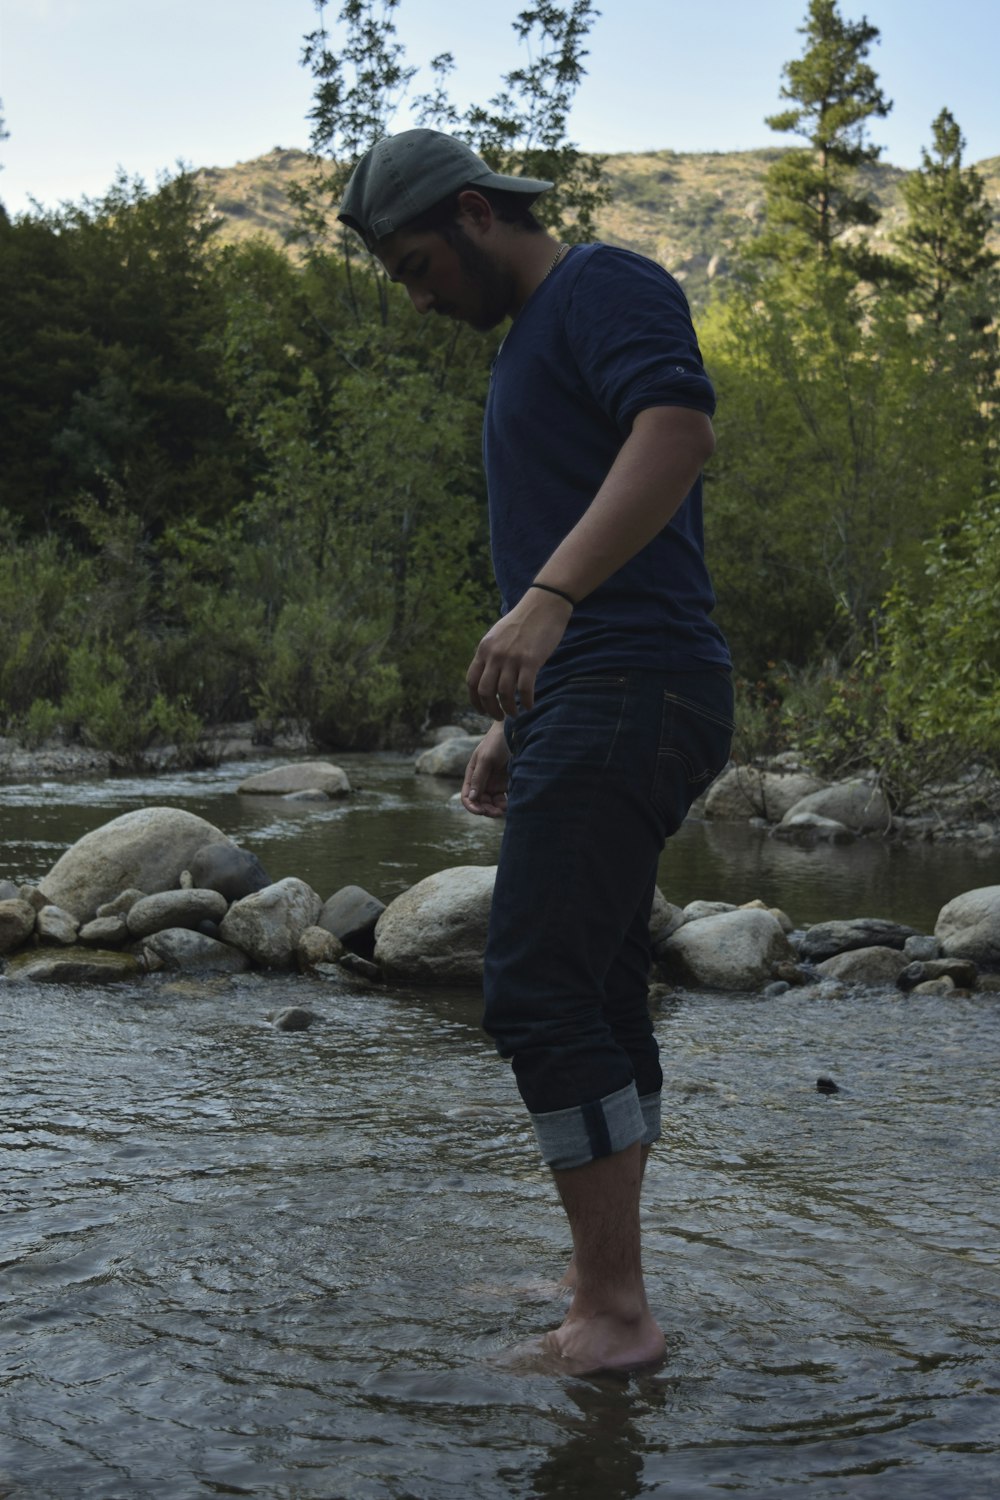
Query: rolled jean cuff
x=650 y=1106
x=572 y=1137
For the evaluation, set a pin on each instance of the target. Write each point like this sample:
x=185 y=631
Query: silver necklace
x=555 y=260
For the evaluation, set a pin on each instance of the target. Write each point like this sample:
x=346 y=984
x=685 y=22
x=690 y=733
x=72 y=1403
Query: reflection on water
x=240 y=1261
x=398 y=827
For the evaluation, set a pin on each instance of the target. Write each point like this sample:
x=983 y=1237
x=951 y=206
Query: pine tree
x=813 y=197
x=943 y=244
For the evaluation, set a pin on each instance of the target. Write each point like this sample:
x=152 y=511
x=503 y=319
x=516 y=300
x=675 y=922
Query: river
x=238 y=1261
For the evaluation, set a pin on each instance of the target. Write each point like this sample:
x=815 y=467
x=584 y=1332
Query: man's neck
x=533 y=256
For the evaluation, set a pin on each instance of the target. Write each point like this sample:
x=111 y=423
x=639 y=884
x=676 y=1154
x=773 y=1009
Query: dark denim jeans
x=603 y=770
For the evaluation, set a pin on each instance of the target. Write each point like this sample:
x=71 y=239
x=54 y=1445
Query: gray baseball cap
x=404 y=175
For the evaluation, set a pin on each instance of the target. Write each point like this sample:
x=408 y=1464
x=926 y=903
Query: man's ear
x=475 y=211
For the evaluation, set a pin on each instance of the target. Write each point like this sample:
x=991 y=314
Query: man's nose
x=422 y=301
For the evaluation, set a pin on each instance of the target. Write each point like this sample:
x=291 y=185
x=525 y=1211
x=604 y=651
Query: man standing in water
x=607 y=680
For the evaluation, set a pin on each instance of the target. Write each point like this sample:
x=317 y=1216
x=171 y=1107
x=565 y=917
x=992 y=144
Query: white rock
x=298 y=776
x=449 y=758
x=813 y=825
x=969 y=927
x=146 y=849
x=736 y=950
x=268 y=924
x=858 y=804
x=435 y=932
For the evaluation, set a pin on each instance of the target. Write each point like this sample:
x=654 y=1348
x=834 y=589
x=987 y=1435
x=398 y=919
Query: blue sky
x=88 y=85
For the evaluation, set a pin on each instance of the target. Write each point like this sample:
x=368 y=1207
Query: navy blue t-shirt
x=607 y=335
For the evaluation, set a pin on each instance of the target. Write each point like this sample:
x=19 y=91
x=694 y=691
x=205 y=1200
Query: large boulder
x=449 y=758
x=298 y=776
x=185 y=908
x=146 y=849
x=825 y=939
x=735 y=950
x=969 y=927
x=231 y=871
x=859 y=805
x=17 y=923
x=267 y=926
x=435 y=932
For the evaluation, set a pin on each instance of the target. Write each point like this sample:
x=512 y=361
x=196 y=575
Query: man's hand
x=484 y=790
x=501 y=679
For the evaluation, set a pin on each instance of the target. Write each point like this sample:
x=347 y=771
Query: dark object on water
x=295 y=1018
x=826 y=1086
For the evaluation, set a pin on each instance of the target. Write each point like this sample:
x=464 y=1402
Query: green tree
x=943 y=242
x=813 y=193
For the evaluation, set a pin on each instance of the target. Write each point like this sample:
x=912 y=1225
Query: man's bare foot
x=588 y=1345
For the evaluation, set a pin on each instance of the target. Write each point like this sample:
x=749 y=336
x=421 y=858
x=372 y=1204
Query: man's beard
x=493 y=288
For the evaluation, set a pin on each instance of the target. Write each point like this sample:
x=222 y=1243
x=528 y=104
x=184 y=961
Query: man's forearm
x=655 y=469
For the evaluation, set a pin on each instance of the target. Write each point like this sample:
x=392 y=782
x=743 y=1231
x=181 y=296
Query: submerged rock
x=72 y=966
x=298 y=776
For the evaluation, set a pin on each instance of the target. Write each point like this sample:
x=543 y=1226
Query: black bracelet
x=550 y=590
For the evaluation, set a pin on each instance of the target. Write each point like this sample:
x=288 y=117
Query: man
x=608 y=682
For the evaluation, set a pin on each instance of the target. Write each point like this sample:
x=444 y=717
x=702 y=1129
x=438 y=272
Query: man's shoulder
x=613 y=265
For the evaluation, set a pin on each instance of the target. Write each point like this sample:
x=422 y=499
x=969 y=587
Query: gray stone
x=34 y=897
x=362 y=968
x=9 y=891
x=17 y=923
x=298 y=776
x=180 y=948
x=969 y=927
x=351 y=915
x=435 y=932
x=942 y=986
x=231 y=871
x=782 y=918
x=183 y=908
x=308 y=794
x=745 y=791
x=825 y=939
x=105 y=932
x=859 y=805
x=961 y=971
x=268 y=925
x=294 y=1018
x=54 y=925
x=871 y=966
x=736 y=950
x=317 y=946
x=697 y=911
x=68 y=966
x=448 y=759
x=446 y=732
x=777 y=989
x=122 y=904
x=920 y=948
x=147 y=848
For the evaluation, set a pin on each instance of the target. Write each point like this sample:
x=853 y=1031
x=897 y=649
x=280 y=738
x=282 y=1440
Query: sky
x=91 y=86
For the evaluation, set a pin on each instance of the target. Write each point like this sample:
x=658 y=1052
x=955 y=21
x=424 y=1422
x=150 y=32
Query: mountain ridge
x=687 y=210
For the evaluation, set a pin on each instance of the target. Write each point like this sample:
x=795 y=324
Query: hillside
x=687 y=210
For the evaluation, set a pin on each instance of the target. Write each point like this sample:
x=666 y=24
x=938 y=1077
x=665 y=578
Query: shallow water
x=246 y=1262
x=237 y=1261
x=397 y=827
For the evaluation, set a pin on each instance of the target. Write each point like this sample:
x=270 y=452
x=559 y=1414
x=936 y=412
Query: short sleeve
x=629 y=329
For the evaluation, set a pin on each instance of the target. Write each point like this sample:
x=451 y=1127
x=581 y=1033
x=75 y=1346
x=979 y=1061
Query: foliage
x=943 y=243
x=812 y=193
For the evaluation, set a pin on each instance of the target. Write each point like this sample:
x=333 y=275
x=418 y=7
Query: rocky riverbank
x=162 y=889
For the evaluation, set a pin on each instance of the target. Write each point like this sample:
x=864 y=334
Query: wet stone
x=294 y=1018
x=62 y=966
